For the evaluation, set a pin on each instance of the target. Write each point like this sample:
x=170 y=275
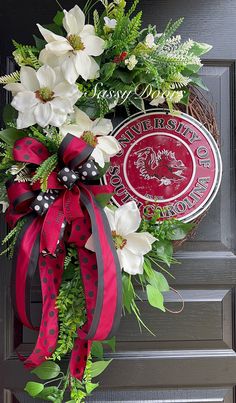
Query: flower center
x=89 y=138
x=44 y=94
x=76 y=42
x=119 y=241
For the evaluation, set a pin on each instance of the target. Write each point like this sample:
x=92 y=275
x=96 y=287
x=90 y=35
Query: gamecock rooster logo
x=161 y=165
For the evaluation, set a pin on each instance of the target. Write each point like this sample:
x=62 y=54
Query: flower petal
x=43 y=114
x=88 y=30
x=111 y=217
x=47 y=57
x=46 y=77
x=72 y=129
x=66 y=90
x=79 y=18
x=48 y=35
x=58 y=119
x=14 y=88
x=90 y=244
x=61 y=105
x=82 y=119
x=127 y=218
x=59 y=48
x=70 y=24
x=83 y=65
x=131 y=263
x=109 y=145
x=25 y=119
x=140 y=243
x=29 y=79
x=102 y=127
x=69 y=68
x=99 y=156
x=24 y=100
x=94 y=46
x=94 y=70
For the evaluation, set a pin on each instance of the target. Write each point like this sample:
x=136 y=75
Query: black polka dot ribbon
x=44 y=200
x=86 y=172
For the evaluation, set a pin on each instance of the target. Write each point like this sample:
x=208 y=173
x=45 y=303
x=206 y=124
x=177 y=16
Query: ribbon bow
x=66 y=214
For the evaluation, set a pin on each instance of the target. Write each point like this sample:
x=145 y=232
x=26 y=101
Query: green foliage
x=10 y=135
x=98 y=367
x=155 y=297
x=26 y=55
x=44 y=170
x=10 y=78
x=33 y=388
x=47 y=370
x=12 y=236
x=71 y=305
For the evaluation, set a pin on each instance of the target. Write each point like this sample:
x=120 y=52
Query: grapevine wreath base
x=57 y=146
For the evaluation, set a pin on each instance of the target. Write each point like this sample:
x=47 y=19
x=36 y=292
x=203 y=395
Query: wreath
x=55 y=149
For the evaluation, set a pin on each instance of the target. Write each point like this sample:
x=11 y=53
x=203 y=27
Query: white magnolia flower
x=157 y=100
x=110 y=23
x=94 y=133
x=131 y=62
x=42 y=97
x=73 y=53
x=131 y=245
x=150 y=41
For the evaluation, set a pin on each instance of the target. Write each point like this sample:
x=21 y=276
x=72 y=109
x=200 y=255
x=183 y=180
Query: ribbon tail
x=50 y=270
x=101 y=276
x=25 y=261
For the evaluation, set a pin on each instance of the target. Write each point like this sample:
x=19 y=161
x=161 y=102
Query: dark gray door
x=192 y=358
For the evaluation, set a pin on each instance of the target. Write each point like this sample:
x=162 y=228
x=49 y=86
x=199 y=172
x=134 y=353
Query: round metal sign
x=167 y=161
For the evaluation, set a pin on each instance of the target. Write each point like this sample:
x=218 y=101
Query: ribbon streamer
x=66 y=214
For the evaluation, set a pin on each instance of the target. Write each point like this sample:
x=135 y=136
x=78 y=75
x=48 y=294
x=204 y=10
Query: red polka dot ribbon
x=66 y=215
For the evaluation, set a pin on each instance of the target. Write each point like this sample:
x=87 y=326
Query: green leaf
x=70 y=401
x=196 y=80
x=10 y=135
x=33 y=388
x=58 y=18
x=98 y=367
x=107 y=70
x=193 y=68
x=111 y=343
x=158 y=281
x=47 y=370
x=125 y=76
x=199 y=49
x=48 y=393
x=128 y=293
x=91 y=386
x=155 y=297
x=137 y=102
x=104 y=198
x=164 y=251
x=39 y=42
x=97 y=349
x=179 y=230
x=9 y=114
x=185 y=99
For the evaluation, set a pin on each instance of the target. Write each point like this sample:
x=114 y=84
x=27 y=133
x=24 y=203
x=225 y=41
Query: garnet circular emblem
x=167 y=161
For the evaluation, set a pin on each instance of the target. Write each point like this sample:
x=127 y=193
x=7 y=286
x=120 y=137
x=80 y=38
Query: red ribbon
x=100 y=270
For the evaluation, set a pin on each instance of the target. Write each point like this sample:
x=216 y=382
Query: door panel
x=192 y=358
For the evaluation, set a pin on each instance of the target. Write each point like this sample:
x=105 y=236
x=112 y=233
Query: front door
x=193 y=356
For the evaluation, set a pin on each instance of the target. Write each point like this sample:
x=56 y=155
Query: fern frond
x=44 y=170
x=10 y=78
x=132 y=8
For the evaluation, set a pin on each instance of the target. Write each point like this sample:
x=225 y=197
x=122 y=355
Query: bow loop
x=73 y=151
x=30 y=150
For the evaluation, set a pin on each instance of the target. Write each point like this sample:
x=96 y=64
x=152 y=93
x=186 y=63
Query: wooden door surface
x=193 y=356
